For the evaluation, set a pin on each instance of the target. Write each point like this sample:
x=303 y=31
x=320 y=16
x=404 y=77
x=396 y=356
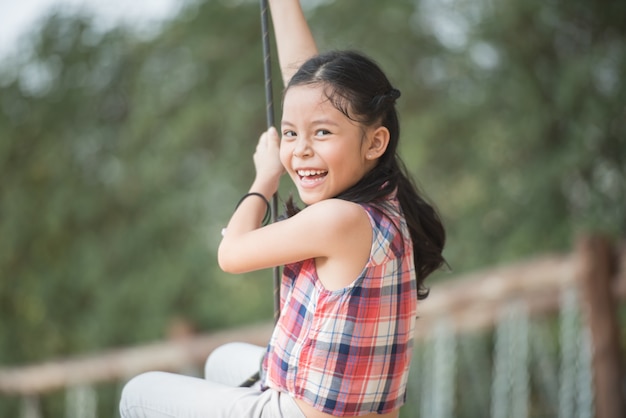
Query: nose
x=302 y=147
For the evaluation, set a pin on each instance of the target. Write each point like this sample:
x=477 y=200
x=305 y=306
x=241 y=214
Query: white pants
x=167 y=395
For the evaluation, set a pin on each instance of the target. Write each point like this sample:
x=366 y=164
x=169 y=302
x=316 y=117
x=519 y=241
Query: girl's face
x=323 y=151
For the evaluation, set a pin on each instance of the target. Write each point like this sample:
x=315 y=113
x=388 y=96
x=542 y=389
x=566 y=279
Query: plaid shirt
x=348 y=352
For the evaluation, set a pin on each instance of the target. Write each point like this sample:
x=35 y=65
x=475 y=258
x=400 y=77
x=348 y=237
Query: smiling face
x=323 y=150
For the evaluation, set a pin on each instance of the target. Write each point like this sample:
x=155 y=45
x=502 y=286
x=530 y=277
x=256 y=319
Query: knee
x=135 y=390
x=218 y=358
x=224 y=350
x=141 y=382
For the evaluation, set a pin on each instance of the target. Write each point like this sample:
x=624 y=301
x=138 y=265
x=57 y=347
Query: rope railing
x=121 y=364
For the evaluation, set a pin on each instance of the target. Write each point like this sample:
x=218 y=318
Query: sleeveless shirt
x=347 y=352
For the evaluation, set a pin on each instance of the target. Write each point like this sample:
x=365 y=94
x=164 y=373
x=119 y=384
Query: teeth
x=306 y=173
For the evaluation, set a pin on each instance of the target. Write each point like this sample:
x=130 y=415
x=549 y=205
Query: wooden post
x=598 y=267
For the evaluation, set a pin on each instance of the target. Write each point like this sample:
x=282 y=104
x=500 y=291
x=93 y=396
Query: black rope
x=269 y=113
x=251 y=380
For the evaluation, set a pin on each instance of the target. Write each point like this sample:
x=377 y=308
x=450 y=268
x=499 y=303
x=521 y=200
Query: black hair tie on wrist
x=268 y=210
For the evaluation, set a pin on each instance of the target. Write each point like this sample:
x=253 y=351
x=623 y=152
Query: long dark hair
x=357 y=87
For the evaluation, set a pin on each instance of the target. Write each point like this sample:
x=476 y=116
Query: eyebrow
x=315 y=122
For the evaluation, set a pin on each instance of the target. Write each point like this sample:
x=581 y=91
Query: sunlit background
x=126 y=135
x=19 y=19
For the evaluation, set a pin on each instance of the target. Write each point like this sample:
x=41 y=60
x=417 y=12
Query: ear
x=379 y=139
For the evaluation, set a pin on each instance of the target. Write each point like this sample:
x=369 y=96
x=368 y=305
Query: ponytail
x=426 y=229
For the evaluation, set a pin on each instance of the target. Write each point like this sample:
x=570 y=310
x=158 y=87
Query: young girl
x=355 y=257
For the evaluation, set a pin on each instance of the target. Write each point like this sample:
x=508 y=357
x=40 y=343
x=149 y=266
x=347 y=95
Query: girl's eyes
x=318 y=133
x=322 y=132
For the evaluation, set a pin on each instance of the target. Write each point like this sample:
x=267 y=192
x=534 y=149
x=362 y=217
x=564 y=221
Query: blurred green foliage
x=122 y=157
x=121 y=161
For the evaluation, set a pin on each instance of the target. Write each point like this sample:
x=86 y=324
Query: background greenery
x=122 y=156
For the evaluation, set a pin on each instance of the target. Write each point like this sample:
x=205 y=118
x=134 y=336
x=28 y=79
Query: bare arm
x=336 y=233
x=293 y=36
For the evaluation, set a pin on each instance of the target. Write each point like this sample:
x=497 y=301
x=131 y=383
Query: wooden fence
x=596 y=268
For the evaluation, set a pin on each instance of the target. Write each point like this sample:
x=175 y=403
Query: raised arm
x=293 y=37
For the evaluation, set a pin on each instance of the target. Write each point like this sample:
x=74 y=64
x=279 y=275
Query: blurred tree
x=116 y=167
x=524 y=143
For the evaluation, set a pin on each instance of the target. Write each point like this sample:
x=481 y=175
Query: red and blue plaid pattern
x=348 y=352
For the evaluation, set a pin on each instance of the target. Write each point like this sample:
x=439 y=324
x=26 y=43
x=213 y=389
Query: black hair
x=357 y=87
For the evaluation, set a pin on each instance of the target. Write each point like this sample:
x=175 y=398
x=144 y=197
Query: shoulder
x=338 y=225
x=336 y=214
x=342 y=234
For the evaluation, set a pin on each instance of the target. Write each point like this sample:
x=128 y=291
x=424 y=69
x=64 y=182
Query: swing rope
x=269 y=113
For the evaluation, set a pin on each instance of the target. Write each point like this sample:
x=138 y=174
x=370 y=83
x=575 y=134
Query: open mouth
x=311 y=176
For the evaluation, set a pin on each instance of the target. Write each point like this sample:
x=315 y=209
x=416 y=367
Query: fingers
x=268 y=146
x=269 y=138
x=266 y=158
x=273 y=134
